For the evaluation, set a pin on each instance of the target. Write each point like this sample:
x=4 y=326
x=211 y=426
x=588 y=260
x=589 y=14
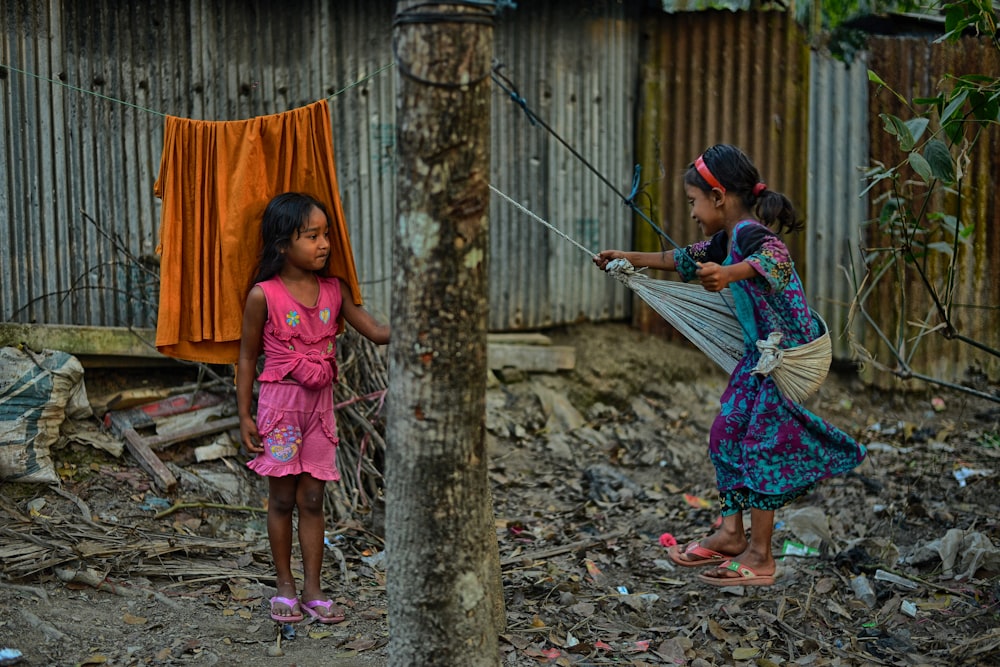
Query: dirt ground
x=589 y=467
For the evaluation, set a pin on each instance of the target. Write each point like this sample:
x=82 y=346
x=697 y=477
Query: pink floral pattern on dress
x=292 y=319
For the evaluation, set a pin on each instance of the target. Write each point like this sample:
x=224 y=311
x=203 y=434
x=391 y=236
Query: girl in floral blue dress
x=767 y=449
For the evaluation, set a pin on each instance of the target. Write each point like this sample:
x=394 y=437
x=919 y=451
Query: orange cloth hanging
x=216 y=178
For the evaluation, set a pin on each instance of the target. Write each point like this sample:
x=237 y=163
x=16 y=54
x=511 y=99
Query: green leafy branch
x=920 y=215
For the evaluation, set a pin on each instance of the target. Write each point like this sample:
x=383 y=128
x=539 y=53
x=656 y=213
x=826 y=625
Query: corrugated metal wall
x=917 y=67
x=720 y=77
x=574 y=63
x=838 y=155
x=68 y=155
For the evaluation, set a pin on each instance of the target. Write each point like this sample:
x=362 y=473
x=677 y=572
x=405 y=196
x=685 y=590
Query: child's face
x=704 y=209
x=310 y=248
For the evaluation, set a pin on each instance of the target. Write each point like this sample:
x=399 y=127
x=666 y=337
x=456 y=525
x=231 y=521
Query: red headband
x=703 y=169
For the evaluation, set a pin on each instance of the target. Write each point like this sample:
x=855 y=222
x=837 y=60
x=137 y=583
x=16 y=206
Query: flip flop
x=291 y=603
x=329 y=607
x=745 y=576
x=702 y=556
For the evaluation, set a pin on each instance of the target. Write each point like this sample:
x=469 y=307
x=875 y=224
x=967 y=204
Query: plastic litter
x=810 y=526
x=376 y=560
x=789 y=548
x=863 y=590
x=882 y=575
x=961 y=553
x=909 y=608
x=10 y=656
x=962 y=474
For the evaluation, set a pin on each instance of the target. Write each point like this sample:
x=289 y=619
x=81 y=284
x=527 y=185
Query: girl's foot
x=748 y=568
x=695 y=555
x=285 y=610
x=715 y=548
x=324 y=611
x=735 y=573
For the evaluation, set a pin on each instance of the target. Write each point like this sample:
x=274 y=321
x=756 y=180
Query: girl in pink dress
x=291 y=315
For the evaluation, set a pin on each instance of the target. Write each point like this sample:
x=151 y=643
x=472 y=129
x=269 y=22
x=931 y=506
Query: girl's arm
x=714 y=277
x=653 y=260
x=254 y=316
x=361 y=319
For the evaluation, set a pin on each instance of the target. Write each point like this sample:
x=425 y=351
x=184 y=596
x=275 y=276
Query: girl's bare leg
x=280 y=507
x=312 y=525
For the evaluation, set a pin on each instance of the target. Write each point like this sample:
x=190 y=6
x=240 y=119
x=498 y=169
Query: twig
x=555 y=551
x=866 y=658
x=84 y=507
x=47 y=629
x=218 y=506
x=34 y=590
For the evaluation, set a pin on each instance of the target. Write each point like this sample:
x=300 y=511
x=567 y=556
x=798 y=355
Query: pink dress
x=295 y=407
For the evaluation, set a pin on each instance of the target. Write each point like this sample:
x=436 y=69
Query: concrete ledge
x=117 y=346
x=81 y=340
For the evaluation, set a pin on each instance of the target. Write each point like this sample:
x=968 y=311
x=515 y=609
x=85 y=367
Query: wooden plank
x=518 y=338
x=532 y=358
x=158 y=442
x=149 y=461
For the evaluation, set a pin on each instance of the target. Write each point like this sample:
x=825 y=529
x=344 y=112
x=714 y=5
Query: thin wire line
x=83 y=90
x=154 y=111
x=361 y=81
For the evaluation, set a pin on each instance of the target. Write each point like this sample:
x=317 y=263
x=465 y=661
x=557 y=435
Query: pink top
x=300 y=341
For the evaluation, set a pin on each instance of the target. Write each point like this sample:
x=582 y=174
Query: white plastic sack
x=37 y=392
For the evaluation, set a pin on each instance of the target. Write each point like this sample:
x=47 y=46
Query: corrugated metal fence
x=78 y=219
x=721 y=77
x=79 y=225
x=919 y=68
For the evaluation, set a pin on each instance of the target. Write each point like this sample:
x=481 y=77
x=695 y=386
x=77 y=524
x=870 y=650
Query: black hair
x=285 y=215
x=737 y=174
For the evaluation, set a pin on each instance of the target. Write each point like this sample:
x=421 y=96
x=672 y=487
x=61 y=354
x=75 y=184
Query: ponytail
x=776 y=211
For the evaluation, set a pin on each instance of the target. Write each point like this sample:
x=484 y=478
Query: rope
x=532 y=215
x=708 y=320
x=508 y=87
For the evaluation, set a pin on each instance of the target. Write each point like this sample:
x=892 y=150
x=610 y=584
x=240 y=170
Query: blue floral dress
x=766 y=449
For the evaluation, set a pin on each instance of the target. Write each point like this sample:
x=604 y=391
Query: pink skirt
x=298 y=431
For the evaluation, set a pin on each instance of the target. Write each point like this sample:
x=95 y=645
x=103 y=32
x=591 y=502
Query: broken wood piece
x=47 y=629
x=148 y=460
x=125 y=424
x=233 y=508
x=531 y=358
x=518 y=338
x=216 y=450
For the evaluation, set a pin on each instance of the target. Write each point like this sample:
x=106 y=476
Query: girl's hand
x=250 y=436
x=714 y=277
x=602 y=258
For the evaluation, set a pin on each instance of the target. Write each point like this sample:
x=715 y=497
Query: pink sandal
x=701 y=555
x=334 y=614
x=745 y=576
x=290 y=617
